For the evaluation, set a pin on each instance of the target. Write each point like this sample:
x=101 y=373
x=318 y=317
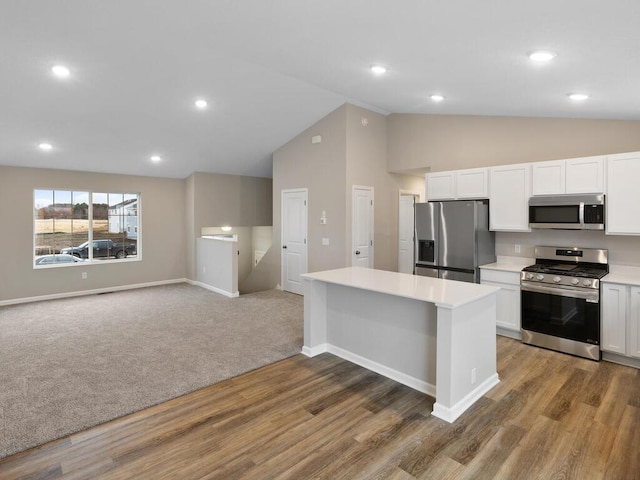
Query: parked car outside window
x=57 y=259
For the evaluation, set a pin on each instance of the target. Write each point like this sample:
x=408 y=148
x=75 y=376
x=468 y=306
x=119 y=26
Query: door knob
x=357 y=252
x=284 y=246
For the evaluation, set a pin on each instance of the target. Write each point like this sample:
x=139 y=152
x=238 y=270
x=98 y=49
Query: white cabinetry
x=576 y=175
x=458 y=184
x=507 y=300
x=548 y=178
x=613 y=318
x=585 y=175
x=472 y=183
x=509 y=198
x=621 y=319
x=633 y=320
x=623 y=194
x=441 y=186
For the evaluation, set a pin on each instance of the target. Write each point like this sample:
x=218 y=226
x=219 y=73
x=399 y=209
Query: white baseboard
x=214 y=289
x=313 y=351
x=388 y=372
x=450 y=414
x=94 y=291
x=621 y=359
x=506 y=332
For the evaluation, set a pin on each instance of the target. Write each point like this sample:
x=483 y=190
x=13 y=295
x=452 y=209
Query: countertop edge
x=482 y=290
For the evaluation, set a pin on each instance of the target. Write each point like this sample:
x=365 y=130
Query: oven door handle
x=592 y=296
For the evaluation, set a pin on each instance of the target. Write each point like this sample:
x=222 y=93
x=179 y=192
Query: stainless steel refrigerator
x=453 y=239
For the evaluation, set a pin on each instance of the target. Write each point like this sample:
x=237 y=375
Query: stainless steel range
x=560 y=296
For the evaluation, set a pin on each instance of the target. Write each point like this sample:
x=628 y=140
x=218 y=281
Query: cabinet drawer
x=500 y=276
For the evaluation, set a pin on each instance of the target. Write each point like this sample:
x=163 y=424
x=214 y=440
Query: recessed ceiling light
x=45 y=146
x=436 y=97
x=201 y=104
x=542 y=56
x=578 y=96
x=226 y=228
x=378 y=69
x=155 y=158
x=60 y=71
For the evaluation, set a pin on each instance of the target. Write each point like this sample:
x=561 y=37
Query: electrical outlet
x=84 y=275
x=204 y=269
x=517 y=249
x=473 y=376
x=325 y=241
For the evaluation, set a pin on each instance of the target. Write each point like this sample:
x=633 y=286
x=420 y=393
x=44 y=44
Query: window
x=67 y=222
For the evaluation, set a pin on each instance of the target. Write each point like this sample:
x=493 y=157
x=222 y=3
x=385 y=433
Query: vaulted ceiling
x=269 y=69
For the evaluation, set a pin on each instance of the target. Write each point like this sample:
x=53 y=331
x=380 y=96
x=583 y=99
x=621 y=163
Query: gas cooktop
x=571 y=270
x=573 y=267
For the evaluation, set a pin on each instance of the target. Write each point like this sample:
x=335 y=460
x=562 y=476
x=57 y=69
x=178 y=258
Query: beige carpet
x=69 y=364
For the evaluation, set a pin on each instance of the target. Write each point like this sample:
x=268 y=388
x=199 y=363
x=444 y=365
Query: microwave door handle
x=581 y=214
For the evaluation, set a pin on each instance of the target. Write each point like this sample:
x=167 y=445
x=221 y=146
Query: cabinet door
x=507 y=299
x=509 y=198
x=508 y=307
x=614 y=318
x=548 y=177
x=623 y=194
x=441 y=186
x=472 y=183
x=633 y=323
x=585 y=175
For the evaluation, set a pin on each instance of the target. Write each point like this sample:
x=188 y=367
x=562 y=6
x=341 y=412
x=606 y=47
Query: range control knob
x=556 y=279
x=529 y=276
x=586 y=283
x=539 y=277
x=575 y=281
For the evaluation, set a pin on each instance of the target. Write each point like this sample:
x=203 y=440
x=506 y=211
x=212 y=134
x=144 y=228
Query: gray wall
x=367 y=166
x=350 y=154
x=419 y=143
x=218 y=200
x=163 y=233
x=173 y=214
x=321 y=168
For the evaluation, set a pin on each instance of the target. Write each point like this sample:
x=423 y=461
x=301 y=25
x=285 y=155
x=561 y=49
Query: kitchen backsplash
x=623 y=250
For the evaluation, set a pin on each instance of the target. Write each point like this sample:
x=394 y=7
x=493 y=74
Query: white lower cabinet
x=633 y=342
x=613 y=319
x=620 y=319
x=508 y=299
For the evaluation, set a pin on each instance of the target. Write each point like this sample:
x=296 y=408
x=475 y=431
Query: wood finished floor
x=552 y=416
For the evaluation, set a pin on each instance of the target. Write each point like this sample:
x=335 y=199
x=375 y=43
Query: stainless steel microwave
x=567 y=212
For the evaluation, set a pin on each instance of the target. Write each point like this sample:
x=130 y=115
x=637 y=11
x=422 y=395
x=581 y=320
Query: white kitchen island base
x=436 y=336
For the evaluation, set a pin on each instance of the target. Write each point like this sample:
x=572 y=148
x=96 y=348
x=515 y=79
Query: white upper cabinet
x=509 y=197
x=441 y=186
x=623 y=194
x=548 y=178
x=458 y=184
x=472 y=183
x=585 y=175
x=576 y=175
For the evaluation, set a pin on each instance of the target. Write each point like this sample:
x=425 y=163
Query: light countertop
x=444 y=293
x=509 y=264
x=623 y=274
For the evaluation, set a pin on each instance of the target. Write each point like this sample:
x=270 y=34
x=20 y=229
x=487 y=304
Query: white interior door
x=294 y=239
x=362 y=227
x=406 y=229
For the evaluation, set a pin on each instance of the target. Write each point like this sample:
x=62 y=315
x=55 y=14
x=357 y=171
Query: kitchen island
x=436 y=336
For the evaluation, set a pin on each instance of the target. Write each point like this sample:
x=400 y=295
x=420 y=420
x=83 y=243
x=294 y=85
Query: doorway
x=362 y=227
x=294 y=239
x=406 y=232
